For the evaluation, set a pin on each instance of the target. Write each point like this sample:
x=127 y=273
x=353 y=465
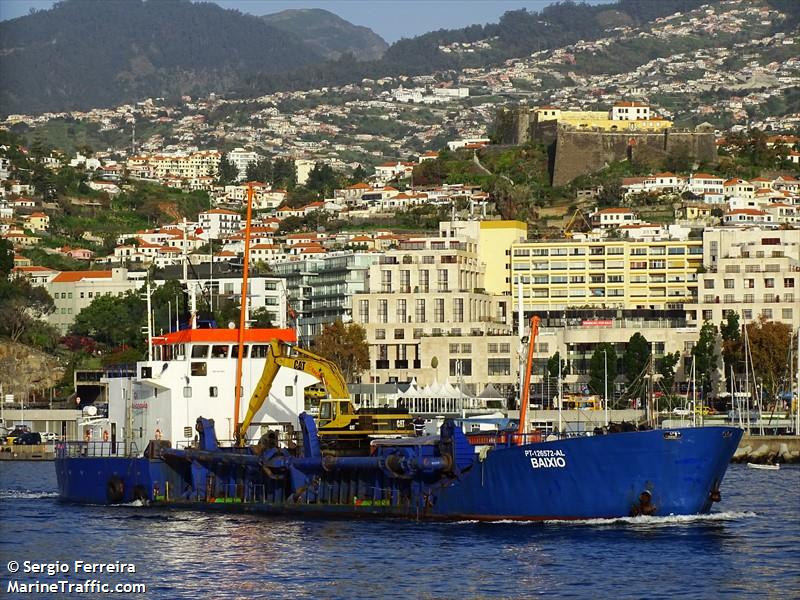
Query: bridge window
x=200 y=351
x=235 y=351
x=259 y=351
x=219 y=351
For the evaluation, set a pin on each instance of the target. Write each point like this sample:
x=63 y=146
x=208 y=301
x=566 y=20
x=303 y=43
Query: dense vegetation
x=108 y=53
x=328 y=34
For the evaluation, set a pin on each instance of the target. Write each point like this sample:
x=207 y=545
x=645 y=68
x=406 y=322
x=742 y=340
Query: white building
x=218 y=223
x=241 y=158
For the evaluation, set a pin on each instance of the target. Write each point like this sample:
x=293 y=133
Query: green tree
x=6 y=257
x=260 y=170
x=705 y=354
x=604 y=355
x=21 y=307
x=322 y=179
x=113 y=321
x=228 y=173
x=637 y=354
x=284 y=173
x=769 y=347
x=732 y=347
x=359 y=175
x=261 y=318
x=552 y=365
x=345 y=345
x=665 y=366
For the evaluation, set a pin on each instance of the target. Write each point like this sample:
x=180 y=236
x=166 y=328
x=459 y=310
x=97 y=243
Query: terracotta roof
x=607 y=211
x=747 y=211
x=73 y=276
x=219 y=211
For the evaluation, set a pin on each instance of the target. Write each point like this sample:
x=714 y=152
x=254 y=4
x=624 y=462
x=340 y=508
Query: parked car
x=17 y=432
x=30 y=438
x=50 y=436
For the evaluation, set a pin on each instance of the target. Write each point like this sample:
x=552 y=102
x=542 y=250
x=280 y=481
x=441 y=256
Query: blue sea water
x=748 y=548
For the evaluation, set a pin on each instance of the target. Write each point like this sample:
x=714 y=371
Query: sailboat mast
x=242 y=317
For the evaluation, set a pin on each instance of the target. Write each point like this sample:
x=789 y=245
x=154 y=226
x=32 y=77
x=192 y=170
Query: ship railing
x=504 y=438
x=96 y=449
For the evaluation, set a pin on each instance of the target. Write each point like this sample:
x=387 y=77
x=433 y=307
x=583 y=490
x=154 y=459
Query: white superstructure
x=192 y=374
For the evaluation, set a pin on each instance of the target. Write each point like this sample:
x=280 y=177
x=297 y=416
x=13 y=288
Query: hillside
x=328 y=34
x=82 y=54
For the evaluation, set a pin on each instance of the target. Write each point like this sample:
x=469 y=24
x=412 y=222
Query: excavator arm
x=280 y=355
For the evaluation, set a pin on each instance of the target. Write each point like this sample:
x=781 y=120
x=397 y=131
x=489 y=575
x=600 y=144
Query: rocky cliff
x=27 y=371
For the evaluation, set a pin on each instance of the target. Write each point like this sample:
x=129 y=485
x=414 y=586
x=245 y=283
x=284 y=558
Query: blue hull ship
x=444 y=477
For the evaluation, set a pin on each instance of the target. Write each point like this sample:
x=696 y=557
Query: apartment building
x=241 y=159
x=191 y=165
x=493 y=238
x=605 y=273
x=754 y=272
x=218 y=223
x=321 y=287
x=72 y=291
x=428 y=316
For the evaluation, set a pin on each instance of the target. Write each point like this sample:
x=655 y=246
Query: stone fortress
x=582 y=142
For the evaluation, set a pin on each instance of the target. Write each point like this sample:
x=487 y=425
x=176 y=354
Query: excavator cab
x=330 y=410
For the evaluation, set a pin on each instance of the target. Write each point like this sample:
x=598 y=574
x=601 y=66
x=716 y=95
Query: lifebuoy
x=115 y=489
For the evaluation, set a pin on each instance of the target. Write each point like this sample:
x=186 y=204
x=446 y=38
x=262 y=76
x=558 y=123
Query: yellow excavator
x=338 y=419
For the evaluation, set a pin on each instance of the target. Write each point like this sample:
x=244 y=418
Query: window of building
x=708 y=284
x=363 y=311
x=386 y=281
x=492 y=348
x=747 y=314
x=419 y=310
x=460 y=366
x=708 y=315
x=401 y=310
x=383 y=311
x=441 y=280
x=438 y=310
x=458 y=310
x=466 y=348
x=417 y=333
x=213 y=391
x=767 y=313
x=786 y=314
x=453 y=348
x=498 y=366
x=399 y=334
x=424 y=281
x=769 y=282
x=788 y=282
x=729 y=284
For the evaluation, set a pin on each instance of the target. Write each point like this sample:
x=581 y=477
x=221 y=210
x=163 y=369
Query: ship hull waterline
x=678 y=472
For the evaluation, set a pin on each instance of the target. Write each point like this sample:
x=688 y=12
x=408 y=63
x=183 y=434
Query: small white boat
x=774 y=467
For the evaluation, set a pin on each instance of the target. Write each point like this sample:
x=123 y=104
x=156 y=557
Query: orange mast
x=526 y=387
x=242 y=317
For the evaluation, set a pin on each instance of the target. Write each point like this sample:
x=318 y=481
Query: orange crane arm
x=526 y=386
